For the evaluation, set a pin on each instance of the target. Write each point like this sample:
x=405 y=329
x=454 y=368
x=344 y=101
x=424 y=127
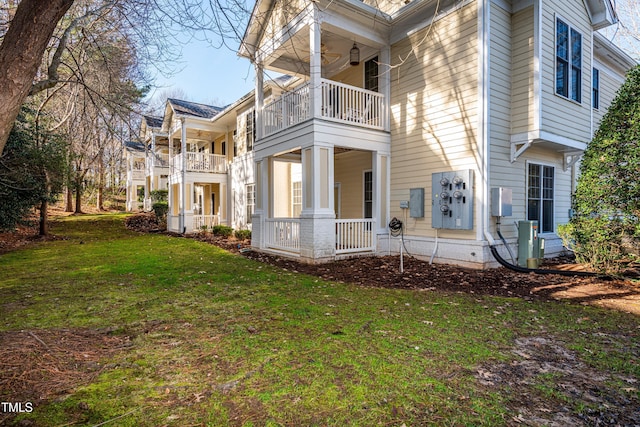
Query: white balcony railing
x=200 y=162
x=339 y=102
x=354 y=235
x=205 y=222
x=136 y=174
x=159 y=160
x=288 y=110
x=282 y=234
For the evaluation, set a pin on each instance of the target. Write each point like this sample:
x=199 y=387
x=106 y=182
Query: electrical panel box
x=452 y=200
x=501 y=202
x=416 y=202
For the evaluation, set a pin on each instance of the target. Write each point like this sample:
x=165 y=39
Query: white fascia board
x=359 y=31
x=268 y=47
x=401 y=32
x=614 y=51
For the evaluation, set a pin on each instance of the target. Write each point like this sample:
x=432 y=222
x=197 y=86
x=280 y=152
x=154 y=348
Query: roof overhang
x=601 y=12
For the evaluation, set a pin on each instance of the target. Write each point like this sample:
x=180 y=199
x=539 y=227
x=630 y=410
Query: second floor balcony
x=339 y=102
x=156 y=160
x=199 y=162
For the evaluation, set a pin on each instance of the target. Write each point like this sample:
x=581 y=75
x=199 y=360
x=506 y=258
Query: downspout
x=484 y=119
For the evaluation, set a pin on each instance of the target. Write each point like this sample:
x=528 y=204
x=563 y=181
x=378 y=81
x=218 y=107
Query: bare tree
x=31 y=59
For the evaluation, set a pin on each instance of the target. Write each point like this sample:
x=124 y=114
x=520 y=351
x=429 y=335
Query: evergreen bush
x=604 y=231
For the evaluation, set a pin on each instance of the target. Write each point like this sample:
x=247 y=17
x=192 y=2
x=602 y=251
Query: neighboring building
x=157 y=157
x=135 y=160
x=417 y=110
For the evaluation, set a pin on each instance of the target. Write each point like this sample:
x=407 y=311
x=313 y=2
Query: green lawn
x=216 y=339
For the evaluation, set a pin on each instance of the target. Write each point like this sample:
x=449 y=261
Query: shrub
x=243 y=234
x=159 y=195
x=161 y=209
x=604 y=231
x=222 y=230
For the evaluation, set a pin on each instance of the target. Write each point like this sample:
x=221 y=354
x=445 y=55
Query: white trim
x=537 y=64
x=608 y=70
x=427 y=22
x=364 y=172
x=570 y=26
x=526 y=193
x=484 y=58
x=337 y=209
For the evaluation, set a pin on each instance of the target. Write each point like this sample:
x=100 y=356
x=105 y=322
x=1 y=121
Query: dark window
x=224 y=148
x=540 y=196
x=371 y=74
x=595 y=91
x=368 y=194
x=568 y=61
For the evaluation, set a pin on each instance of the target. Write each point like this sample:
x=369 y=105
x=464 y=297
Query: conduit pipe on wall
x=504 y=263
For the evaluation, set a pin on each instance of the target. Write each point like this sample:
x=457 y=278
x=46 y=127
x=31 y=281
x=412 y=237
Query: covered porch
x=331 y=120
x=321 y=203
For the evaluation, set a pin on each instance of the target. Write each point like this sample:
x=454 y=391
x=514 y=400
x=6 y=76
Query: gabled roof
x=602 y=13
x=152 y=121
x=134 y=146
x=193 y=109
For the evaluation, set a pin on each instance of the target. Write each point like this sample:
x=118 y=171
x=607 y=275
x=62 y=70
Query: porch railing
x=282 y=234
x=200 y=162
x=289 y=109
x=202 y=221
x=137 y=174
x=352 y=104
x=354 y=235
x=339 y=102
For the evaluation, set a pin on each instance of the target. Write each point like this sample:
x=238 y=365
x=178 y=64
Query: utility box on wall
x=416 y=202
x=452 y=200
x=501 y=202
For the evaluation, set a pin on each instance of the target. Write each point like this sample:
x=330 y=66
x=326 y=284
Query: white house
x=416 y=110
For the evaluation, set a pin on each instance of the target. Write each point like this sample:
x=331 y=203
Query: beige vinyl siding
x=522 y=101
x=609 y=85
x=434 y=109
x=354 y=75
x=502 y=47
x=282 y=14
x=282 y=185
x=349 y=170
x=561 y=116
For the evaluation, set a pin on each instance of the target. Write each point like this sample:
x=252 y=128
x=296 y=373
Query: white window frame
x=250 y=199
x=595 y=88
x=542 y=165
x=364 y=193
x=296 y=193
x=568 y=83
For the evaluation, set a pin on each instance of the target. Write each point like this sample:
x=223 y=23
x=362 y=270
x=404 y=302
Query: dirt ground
x=31 y=356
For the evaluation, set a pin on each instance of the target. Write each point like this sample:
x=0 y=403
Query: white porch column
x=315 y=66
x=317 y=220
x=183 y=183
x=381 y=197
x=262 y=203
x=384 y=83
x=259 y=100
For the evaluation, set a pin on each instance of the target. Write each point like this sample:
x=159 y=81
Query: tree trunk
x=78 y=196
x=44 y=226
x=100 y=198
x=21 y=54
x=69 y=200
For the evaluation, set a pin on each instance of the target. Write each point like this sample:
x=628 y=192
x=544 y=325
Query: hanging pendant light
x=354 y=55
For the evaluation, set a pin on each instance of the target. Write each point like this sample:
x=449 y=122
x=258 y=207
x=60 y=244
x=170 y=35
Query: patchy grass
x=215 y=339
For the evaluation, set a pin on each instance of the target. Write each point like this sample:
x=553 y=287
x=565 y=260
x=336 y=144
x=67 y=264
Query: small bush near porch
x=106 y=326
